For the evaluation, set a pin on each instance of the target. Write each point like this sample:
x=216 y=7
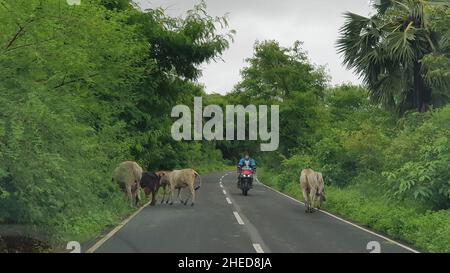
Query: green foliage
x=372 y=160
x=421 y=156
x=411 y=156
x=83 y=88
x=282 y=76
x=180 y=45
x=389 y=48
x=426 y=230
x=116 y=4
x=386 y=173
x=275 y=73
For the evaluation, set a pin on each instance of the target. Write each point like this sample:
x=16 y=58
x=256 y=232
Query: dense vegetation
x=401 y=52
x=384 y=149
x=83 y=88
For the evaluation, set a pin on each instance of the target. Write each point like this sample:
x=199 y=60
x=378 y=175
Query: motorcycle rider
x=246 y=161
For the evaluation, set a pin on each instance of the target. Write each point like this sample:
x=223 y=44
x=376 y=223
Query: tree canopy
x=393 y=51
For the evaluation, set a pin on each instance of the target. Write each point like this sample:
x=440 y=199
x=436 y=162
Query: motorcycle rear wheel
x=245 y=191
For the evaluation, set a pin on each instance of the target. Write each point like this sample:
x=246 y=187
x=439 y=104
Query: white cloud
x=315 y=22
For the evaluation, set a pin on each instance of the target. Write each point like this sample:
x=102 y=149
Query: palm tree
x=387 y=49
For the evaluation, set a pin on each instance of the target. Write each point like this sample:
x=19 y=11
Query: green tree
x=388 y=50
x=276 y=72
x=83 y=88
x=283 y=76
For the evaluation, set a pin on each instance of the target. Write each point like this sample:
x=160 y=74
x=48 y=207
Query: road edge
x=105 y=238
x=343 y=220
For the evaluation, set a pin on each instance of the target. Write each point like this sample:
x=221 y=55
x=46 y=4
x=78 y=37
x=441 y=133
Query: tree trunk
x=421 y=91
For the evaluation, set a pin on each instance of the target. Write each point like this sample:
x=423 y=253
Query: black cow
x=150 y=184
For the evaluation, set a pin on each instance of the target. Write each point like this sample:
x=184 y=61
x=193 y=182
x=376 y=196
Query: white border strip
x=343 y=220
x=258 y=248
x=238 y=218
x=115 y=230
x=229 y=201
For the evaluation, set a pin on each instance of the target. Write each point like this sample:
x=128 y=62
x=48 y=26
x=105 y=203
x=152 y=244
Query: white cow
x=312 y=186
x=179 y=179
x=128 y=175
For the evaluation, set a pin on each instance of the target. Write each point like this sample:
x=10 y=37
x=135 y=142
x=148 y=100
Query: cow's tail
x=199 y=180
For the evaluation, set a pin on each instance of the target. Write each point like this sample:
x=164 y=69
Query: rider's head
x=246 y=156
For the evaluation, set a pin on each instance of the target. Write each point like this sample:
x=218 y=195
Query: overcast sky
x=315 y=22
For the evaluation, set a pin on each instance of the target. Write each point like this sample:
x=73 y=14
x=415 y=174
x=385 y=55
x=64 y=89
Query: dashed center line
x=256 y=246
x=238 y=218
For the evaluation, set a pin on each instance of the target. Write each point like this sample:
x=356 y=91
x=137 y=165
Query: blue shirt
x=249 y=162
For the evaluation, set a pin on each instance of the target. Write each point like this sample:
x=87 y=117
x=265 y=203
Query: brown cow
x=151 y=182
x=312 y=186
x=164 y=183
x=128 y=175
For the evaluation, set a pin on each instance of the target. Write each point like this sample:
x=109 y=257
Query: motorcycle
x=245 y=181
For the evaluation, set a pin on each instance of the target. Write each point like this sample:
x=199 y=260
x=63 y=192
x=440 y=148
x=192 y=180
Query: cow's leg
x=191 y=188
x=134 y=198
x=306 y=197
x=187 y=199
x=154 y=195
x=179 y=196
x=313 y=199
x=319 y=206
x=169 y=193
x=129 y=194
x=192 y=194
x=172 y=190
x=166 y=187
x=164 y=194
x=137 y=193
x=152 y=203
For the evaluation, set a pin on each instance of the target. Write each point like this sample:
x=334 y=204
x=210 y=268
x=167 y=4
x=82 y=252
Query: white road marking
x=224 y=192
x=238 y=218
x=114 y=231
x=258 y=248
x=345 y=221
x=371 y=232
x=221 y=186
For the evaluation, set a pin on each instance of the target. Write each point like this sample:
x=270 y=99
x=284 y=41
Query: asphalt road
x=223 y=220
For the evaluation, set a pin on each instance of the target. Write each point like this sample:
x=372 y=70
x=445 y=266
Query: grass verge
x=425 y=230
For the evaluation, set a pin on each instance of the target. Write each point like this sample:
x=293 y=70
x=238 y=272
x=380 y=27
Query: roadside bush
x=420 y=160
x=408 y=222
x=389 y=174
